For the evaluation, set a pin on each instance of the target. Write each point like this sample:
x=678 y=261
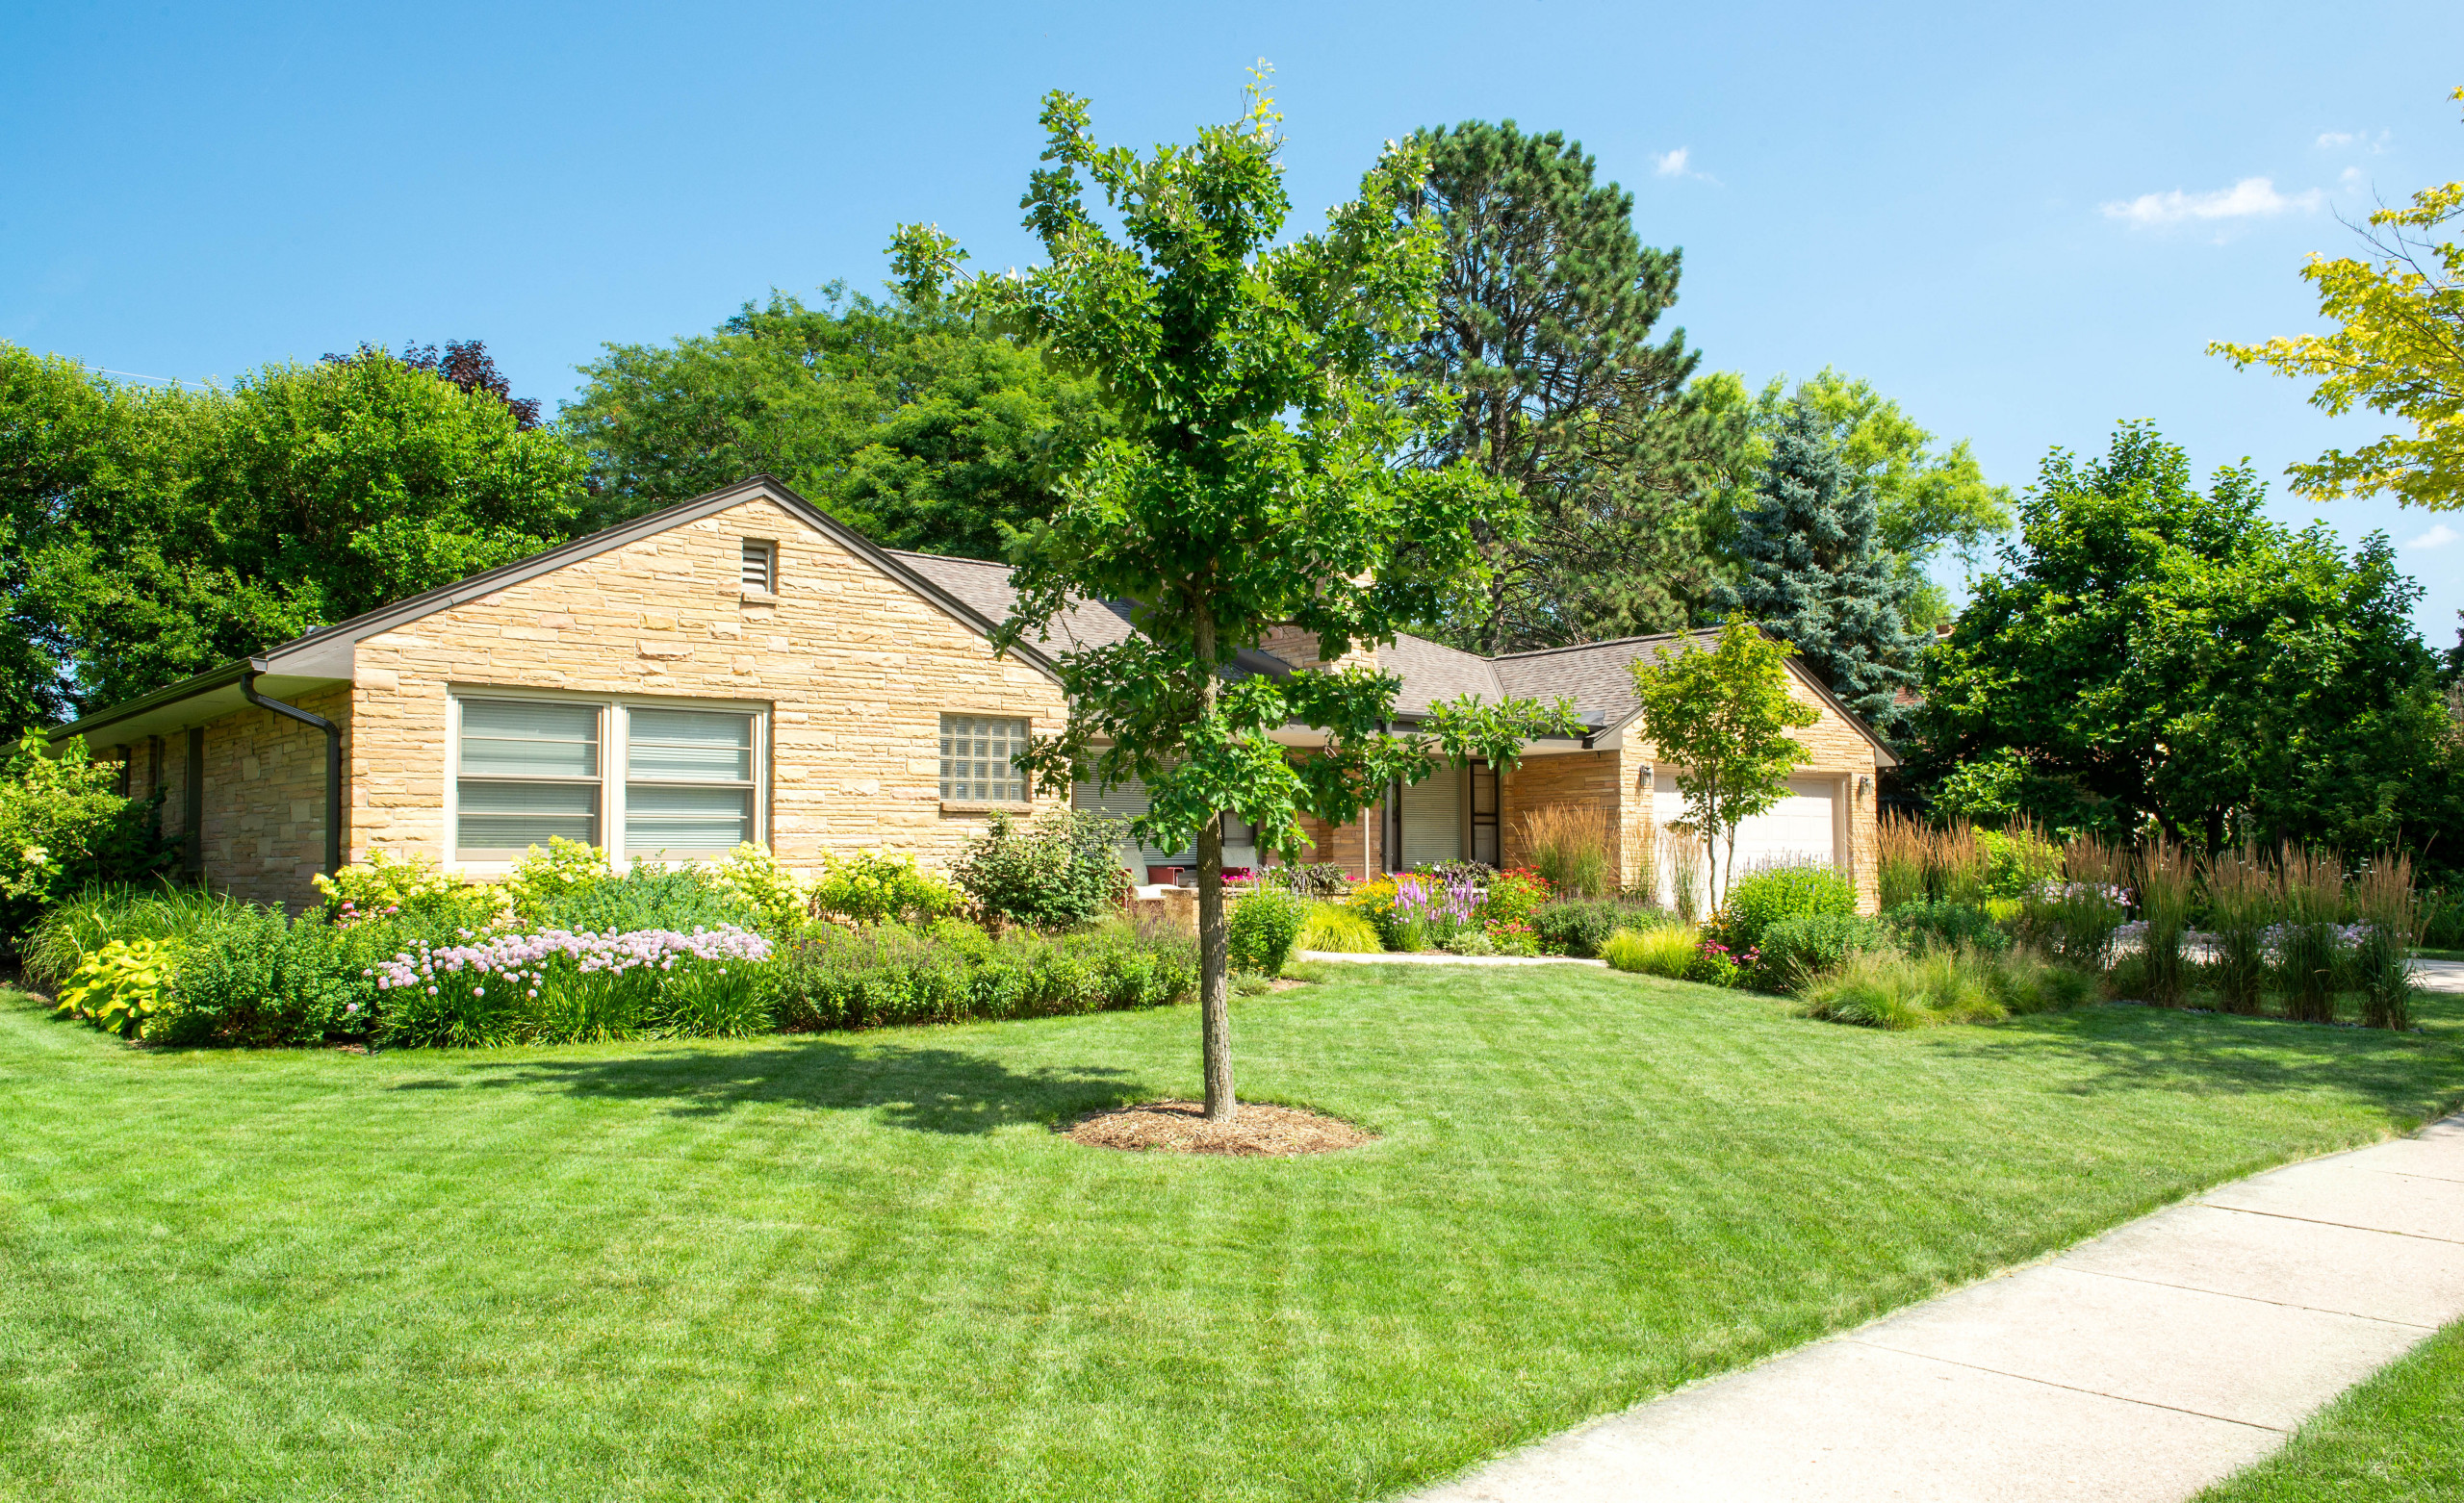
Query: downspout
x=333 y=757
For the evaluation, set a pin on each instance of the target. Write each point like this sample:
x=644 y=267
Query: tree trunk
x=1214 y=982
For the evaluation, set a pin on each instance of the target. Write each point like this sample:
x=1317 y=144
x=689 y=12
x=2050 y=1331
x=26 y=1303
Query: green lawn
x=861 y=1266
x=2397 y=1438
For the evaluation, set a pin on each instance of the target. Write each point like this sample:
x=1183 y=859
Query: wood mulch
x=1180 y=1127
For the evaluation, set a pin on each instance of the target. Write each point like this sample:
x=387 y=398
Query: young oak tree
x=1253 y=482
x=1723 y=714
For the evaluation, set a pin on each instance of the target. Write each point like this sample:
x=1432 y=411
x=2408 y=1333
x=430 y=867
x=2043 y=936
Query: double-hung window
x=530 y=772
x=689 y=782
x=641 y=780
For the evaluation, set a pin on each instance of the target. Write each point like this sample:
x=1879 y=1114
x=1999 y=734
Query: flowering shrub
x=876 y=886
x=1426 y=913
x=1511 y=938
x=563 y=867
x=557 y=987
x=63 y=829
x=1061 y=872
x=753 y=876
x=383 y=886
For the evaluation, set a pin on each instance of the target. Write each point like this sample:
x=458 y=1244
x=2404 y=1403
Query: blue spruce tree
x=1813 y=571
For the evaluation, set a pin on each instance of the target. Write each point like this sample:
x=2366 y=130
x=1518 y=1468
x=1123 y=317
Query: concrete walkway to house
x=2141 y=1364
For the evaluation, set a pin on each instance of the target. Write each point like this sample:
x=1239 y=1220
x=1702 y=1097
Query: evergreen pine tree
x=1813 y=571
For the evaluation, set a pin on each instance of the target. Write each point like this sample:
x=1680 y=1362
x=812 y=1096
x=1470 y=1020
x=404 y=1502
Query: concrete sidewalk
x=2142 y=1364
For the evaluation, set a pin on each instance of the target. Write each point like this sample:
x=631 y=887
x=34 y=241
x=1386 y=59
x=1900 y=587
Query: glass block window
x=689 y=782
x=979 y=759
x=761 y=566
x=530 y=772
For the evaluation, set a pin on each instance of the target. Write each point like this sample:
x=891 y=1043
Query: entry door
x=1484 y=814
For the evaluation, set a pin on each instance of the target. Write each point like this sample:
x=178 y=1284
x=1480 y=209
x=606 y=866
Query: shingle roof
x=1597 y=675
x=1433 y=672
x=985 y=587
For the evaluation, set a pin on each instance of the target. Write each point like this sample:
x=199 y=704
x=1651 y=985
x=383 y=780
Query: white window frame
x=614 y=744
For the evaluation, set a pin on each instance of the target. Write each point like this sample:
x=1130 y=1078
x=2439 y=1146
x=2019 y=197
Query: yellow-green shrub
x=1668 y=951
x=120 y=986
x=1332 y=928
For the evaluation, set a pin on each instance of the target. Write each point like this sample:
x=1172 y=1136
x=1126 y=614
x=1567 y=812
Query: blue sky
x=2023 y=222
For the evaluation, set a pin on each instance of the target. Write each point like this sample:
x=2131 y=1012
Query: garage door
x=1799 y=830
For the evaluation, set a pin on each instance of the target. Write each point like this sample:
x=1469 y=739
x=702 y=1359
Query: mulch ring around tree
x=1180 y=1127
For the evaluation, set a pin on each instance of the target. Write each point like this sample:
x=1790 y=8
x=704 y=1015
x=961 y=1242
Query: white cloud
x=2249 y=199
x=1670 y=163
x=2337 y=138
x=2436 y=537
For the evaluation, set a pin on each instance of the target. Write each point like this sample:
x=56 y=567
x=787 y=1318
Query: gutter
x=333 y=757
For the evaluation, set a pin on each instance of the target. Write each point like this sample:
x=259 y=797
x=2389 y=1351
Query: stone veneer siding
x=856 y=666
x=262 y=828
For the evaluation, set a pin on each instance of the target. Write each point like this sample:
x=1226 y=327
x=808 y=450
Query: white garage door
x=1802 y=828
x=1798 y=830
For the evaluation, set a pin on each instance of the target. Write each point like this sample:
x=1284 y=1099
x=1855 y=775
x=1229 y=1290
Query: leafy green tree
x=1723 y=715
x=60 y=439
x=1251 y=484
x=1812 y=571
x=161 y=532
x=1547 y=305
x=2151 y=653
x=921 y=428
x=64 y=829
x=2397 y=347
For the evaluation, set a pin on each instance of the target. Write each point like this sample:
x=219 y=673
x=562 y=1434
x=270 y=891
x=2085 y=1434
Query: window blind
x=689 y=782
x=530 y=773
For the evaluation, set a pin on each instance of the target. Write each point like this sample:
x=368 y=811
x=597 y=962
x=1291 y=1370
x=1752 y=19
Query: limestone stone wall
x=856 y=668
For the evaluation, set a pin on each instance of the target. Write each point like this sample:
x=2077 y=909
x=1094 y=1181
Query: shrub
x=1945 y=922
x=1714 y=965
x=1580 y=928
x=1337 y=930
x=1571 y=845
x=63 y=830
x=1470 y=942
x=383 y=886
x=1758 y=902
x=1263 y=928
x=1316 y=879
x=1511 y=939
x=1795 y=950
x=1373 y=902
x=1667 y=951
x=257 y=980
x=1061 y=871
x=651 y=896
x=877 y=886
x=562 y=867
x=753 y=878
x=838 y=978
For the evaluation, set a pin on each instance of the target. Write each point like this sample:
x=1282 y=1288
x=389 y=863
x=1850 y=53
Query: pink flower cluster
x=522 y=960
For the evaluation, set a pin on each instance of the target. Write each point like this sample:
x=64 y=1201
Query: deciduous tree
x=1252 y=484
x=2397 y=347
x=1723 y=715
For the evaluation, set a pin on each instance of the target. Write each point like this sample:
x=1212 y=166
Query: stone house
x=741 y=666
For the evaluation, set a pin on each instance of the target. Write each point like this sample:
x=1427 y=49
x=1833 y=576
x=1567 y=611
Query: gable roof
x=325 y=655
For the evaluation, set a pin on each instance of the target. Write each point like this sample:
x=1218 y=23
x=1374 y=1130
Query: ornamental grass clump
x=1332 y=929
x=2242 y=899
x=2164 y=879
x=1671 y=951
x=2390 y=915
x=2309 y=940
x=1574 y=846
x=2074 y=918
x=1891 y=989
x=1683 y=856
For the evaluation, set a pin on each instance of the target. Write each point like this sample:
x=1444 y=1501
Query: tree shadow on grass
x=2131 y=1048
x=926 y=1090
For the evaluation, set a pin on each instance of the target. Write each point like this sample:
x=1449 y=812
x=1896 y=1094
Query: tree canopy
x=153 y=533
x=2397 y=347
x=2151 y=652
x=920 y=427
x=1250 y=486
x=1548 y=304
